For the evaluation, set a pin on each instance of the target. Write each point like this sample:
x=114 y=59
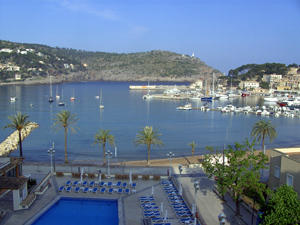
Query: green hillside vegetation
x=153 y=64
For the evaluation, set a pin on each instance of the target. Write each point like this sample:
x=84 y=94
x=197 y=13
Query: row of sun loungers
x=179 y=205
x=94 y=190
x=119 y=184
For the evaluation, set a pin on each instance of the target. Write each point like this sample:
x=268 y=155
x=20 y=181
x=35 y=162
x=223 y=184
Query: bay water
x=126 y=113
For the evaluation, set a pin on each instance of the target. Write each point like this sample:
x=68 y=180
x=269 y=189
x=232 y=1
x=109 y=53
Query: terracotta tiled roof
x=14 y=161
x=12 y=182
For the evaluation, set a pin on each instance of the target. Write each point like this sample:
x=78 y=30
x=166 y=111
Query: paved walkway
x=209 y=205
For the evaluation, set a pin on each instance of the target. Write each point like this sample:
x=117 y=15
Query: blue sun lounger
x=92 y=183
x=110 y=191
x=102 y=191
x=133 y=185
x=68 y=183
x=109 y=184
x=127 y=191
x=76 y=190
x=124 y=185
x=95 y=190
x=101 y=183
x=69 y=189
x=85 y=183
x=85 y=190
x=75 y=183
x=120 y=190
x=61 y=188
x=119 y=184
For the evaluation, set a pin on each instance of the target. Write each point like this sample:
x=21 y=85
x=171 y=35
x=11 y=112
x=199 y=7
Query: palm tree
x=102 y=137
x=263 y=129
x=148 y=137
x=18 y=122
x=65 y=119
x=193 y=145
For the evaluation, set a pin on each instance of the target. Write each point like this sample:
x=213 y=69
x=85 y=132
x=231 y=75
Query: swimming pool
x=81 y=211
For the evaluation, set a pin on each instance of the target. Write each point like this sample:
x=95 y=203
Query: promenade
x=209 y=204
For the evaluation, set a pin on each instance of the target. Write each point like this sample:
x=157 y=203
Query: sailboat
x=73 y=97
x=50 y=98
x=62 y=103
x=57 y=95
x=148 y=94
x=13 y=98
x=101 y=105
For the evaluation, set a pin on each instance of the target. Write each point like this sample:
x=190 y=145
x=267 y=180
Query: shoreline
x=184 y=161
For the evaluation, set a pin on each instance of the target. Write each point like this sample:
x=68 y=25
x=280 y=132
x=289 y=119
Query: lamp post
x=170 y=156
x=108 y=154
x=196 y=186
x=51 y=152
x=180 y=170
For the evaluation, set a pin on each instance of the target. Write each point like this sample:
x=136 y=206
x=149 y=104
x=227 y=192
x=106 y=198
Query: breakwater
x=11 y=143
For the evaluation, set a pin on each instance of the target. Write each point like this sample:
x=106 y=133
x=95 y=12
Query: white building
x=272 y=78
x=6 y=50
x=249 y=85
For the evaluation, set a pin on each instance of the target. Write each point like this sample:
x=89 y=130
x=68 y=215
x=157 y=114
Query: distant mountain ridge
x=35 y=61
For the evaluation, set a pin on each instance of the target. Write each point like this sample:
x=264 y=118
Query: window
x=289 y=180
x=277 y=172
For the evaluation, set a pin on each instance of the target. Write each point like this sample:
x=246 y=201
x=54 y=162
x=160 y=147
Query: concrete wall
x=275 y=160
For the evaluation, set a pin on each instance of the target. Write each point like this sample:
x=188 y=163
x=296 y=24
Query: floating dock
x=158 y=87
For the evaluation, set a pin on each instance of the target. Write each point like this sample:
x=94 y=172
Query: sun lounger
x=101 y=183
x=149 y=209
x=133 y=185
x=110 y=191
x=157 y=220
x=102 y=191
x=127 y=191
x=95 y=190
x=68 y=183
x=68 y=189
x=85 y=183
x=76 y=190
x=148 y=204
x=119 y=184
x=120 y=190
x=92 y=183
x=85 y=190
x=61 y=188
x=109 y=184
x=124 y=185
x=75 y=183
x=151 y=215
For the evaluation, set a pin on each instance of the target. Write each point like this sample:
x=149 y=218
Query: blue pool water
x=81 y=211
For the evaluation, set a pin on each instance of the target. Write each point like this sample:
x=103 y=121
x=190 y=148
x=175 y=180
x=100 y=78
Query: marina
x=127 y=112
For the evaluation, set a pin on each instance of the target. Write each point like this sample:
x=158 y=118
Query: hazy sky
x=225 y=34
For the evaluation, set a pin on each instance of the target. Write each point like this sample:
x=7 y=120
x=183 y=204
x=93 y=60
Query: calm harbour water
x=125 y=114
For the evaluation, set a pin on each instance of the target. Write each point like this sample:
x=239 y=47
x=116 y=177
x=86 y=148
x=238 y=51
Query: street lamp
x=108 y=154
x=196 y=186
x=170 y=156
x=51 y=152
x=180 y=170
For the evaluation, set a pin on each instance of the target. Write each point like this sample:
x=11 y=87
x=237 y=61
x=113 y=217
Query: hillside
x=35 y=62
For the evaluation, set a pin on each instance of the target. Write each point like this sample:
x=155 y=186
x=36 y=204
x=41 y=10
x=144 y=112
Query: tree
x=65 y=119
x=102 y=137
x=238 y=171
x=148 y=137
x=262 y=129
x=18 y=122
x=193 y=145
x=283 y=207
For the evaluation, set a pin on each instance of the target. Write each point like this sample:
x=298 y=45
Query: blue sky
x=225 y=34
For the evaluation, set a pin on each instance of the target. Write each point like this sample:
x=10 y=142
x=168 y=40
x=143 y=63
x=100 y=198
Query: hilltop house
x=285 y=168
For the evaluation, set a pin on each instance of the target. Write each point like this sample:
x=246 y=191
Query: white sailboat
x=50 y=98
x=147 y=96
x=101 y=105
x=271 y=98
x=13 y=97
x=73 y=97
x=57 y=95
x=62 y=103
